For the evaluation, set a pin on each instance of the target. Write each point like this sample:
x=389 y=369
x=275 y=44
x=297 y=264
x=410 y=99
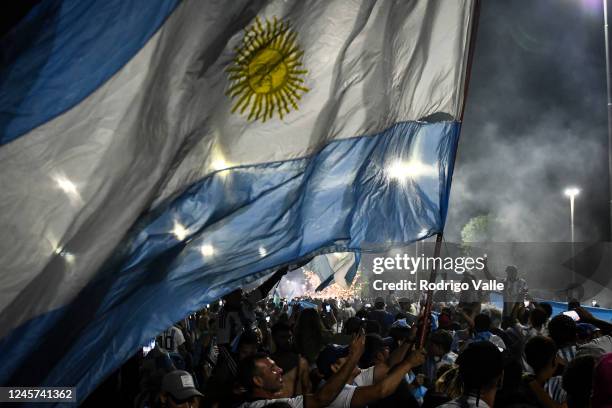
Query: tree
x=477 y=229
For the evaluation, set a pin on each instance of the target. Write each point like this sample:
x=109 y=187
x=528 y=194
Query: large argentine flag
x=157 y=154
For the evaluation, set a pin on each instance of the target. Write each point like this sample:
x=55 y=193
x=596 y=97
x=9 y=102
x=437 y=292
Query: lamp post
x=572 y=192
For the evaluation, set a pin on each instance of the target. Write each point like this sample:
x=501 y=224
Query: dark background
x=535 y=122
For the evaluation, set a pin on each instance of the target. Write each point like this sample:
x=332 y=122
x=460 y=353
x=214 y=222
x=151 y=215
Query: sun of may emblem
x=266 y=76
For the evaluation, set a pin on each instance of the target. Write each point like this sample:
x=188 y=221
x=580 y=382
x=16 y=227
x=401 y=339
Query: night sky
x=535 y=122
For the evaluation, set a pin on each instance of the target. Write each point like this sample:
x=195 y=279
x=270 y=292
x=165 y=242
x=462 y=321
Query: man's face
x=270 y=376
x=337 y=366
x=383 y=355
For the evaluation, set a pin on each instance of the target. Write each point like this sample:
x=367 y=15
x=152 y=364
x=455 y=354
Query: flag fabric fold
x=152 y=161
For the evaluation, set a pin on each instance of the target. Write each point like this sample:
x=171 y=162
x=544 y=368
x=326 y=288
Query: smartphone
x=268 y=319
x=328 y=308
x=367 y=305
x=573 y=314
x=526 y=303
x=221 y=302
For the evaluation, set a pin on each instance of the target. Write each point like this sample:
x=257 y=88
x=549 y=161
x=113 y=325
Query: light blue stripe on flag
x=235 y=226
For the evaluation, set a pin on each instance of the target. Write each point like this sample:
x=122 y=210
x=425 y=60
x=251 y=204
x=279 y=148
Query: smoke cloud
x=535 y=122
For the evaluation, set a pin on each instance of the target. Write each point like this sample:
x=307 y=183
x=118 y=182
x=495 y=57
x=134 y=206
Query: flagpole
x=609 y=83
x=434 y=273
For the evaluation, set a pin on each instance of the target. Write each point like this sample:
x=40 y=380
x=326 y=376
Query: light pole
x=572 y=192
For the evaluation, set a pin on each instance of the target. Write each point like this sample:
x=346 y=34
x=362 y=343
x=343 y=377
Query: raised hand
x=416 y=357
x=357 y=347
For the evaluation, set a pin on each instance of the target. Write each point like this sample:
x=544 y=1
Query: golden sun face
x=266 y=76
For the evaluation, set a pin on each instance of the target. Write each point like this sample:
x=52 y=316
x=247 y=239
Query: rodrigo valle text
x=450 y=285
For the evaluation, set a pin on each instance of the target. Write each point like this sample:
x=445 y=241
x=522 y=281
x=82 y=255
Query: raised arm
x=329 y=391
x=587 y=317
x=366 y=395
x=486 y=270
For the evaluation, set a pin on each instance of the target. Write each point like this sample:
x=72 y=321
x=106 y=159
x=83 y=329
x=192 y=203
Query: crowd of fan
x=252 y=351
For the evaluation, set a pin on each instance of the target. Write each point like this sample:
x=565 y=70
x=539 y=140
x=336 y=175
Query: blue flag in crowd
x=157 y=154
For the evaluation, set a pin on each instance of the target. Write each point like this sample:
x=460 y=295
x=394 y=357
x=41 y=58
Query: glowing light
x=571 y=192
x=402 y=170
x=262 y=252
x=179 y=231
x=70 y=258
x=68 y=187
x=220 y=164
x=207 y=250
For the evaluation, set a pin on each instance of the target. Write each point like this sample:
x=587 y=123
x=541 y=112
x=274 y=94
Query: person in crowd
x=578 y=381
x=347 y=311
x=407 y=310
x=328 y=316
x=220 y=388
x=480 y=372
x=471 y=295
x=310 y=335
x=154 y=366
x=296 y=379
x=377 y=351
x=562 y=329
x=262 y=380
x=302 y=362
x=178 y=390
x=518 y=334
x=238 y=311
x=602 y=378
x=480 y=332
x=541 y=355
x=515 y=288
x=380 y=315
x=172 y=340
x=365 y=387
x=438 y=354
x=586 y=332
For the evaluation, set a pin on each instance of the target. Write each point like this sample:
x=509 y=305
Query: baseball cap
x=584 y=330
x=328 y=356
x=401 y=324
x=180 y=385
x=374 y=343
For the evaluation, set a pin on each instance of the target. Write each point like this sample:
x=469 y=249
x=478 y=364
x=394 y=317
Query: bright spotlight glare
x=262 y=252
x=402 y=170
x=571 y=191
x=179 y=231
x=220 y=164
x=68 y=187
x=207 y=250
